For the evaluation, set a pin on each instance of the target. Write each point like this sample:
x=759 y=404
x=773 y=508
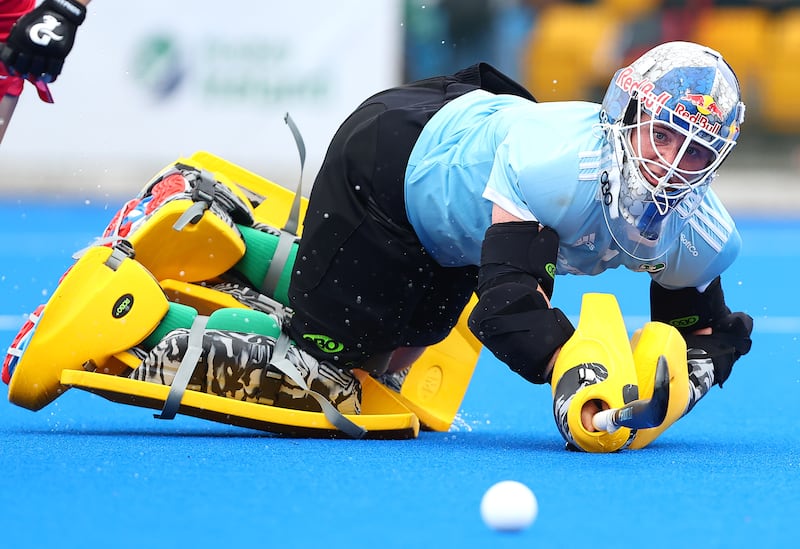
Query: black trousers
x=363 y=284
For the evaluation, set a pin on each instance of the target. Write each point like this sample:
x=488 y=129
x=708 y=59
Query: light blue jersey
x=543 y=162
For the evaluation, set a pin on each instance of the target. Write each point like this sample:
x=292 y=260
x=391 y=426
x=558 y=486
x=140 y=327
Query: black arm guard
x=690 y=310
x=512 y=318
x=523 y=249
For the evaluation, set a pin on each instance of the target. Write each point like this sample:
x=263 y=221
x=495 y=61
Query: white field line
x=761 y=325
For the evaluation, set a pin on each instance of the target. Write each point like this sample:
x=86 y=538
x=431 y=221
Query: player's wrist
x=73 y=11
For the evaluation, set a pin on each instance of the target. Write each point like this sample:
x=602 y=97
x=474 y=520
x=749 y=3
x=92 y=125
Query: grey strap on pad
x=194 y=351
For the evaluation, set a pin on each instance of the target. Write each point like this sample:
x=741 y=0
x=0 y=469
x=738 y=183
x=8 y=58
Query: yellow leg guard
x=105 y=304
x=596 y=363
x=654 y=340
x=382 y=414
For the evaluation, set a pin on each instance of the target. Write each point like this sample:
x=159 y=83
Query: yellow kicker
x=601 y=338
x=383 y=416
x=96 y=311
x=199 y=251
x=210 y=246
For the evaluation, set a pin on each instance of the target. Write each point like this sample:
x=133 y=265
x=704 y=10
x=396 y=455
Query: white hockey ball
x=509 y=506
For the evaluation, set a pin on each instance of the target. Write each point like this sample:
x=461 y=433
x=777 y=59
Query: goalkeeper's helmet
x=671 y=118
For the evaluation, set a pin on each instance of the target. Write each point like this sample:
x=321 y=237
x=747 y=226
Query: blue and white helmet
x=691 y=91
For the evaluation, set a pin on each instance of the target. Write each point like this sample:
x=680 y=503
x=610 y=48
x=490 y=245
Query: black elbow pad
x=512 y=319
x=516 y=325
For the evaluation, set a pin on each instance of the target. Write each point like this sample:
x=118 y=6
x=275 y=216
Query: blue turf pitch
x=85 y=472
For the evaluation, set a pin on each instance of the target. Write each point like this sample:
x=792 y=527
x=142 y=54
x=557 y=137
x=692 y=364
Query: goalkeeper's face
x=667 y=158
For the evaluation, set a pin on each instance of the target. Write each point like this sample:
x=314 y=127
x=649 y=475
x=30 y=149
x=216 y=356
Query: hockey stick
x=639 y=414
x=7 y=106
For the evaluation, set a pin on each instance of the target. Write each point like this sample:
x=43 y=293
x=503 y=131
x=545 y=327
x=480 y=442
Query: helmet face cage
x=669 y=178
x=681 y=90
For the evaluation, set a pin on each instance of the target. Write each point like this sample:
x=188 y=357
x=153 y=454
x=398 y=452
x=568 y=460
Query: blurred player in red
x=34 y=42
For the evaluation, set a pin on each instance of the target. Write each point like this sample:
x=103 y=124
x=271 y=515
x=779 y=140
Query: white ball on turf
x=509 y=506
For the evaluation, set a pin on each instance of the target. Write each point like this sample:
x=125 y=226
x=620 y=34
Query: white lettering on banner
x=265 y=92
x=652 y=102
x=259 y=72
x=240 y=72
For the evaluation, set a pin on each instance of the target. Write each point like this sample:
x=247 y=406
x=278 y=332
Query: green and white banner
x=150 y=81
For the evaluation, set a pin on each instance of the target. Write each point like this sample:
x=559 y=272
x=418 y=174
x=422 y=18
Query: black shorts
x=363 y=284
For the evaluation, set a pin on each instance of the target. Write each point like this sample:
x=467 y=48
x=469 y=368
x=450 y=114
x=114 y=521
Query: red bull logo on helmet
x=644 y=88
x=705 y=105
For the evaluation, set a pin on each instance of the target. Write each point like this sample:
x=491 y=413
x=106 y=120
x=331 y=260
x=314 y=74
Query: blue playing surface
x=85 y=472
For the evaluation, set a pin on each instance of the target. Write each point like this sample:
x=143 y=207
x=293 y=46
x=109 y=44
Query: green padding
x=178 y=316
x=231 y=319
x=244 y=320
x=257 y=258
